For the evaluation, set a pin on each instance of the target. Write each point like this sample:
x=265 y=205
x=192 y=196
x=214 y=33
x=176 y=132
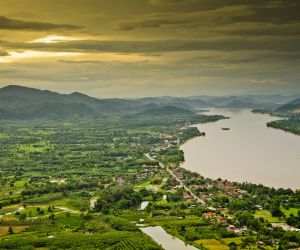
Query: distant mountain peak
x=77 y=94
x=290 y=106
x=166 y=110
x=18 y=89
x=14 y=87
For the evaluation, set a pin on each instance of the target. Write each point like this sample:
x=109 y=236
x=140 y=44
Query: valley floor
x=74 y=184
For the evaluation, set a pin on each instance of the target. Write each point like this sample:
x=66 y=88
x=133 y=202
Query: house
x=120 y=181
x=259 y=207
x=172 y=165
x=212 y=209
x=232 y=228
x=188 y=197
x=223 y=221
x=209 y=215
x=152 y=188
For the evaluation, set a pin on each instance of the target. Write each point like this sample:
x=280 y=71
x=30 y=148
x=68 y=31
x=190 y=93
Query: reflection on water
x=248 y=151
x=168 y=242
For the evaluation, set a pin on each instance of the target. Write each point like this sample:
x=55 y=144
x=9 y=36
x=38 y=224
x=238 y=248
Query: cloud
x=3 y=53
x=211 y=71
x=220 y=16
x=14 y=24
x=252 y=15
x=261 y=29
x=152 y=46
x=166 y=2
x=267 y=81
x=163 y=46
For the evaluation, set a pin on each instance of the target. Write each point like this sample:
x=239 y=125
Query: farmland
x=51 y=171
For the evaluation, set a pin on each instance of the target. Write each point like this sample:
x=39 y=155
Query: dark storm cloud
x=13 y=24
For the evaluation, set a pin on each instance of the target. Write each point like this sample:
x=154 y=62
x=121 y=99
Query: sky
x=136 y=48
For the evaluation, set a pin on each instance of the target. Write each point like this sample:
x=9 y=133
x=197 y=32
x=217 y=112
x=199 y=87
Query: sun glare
x=54 y=39
x=29 y=54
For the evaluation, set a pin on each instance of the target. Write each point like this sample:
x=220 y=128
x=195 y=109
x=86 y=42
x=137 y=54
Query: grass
x=144 y=184
x=288 y=212
x=237 y=240
x=211 y=244
x=3 y=136
x=32 y=211
x=20 y=183
x=74 y=203
x=10 y=208
x=133 y=215
x=162 y=202
x=65 y=202
x=37 y=147
x=45 y=199
x=266 y=215
x=16 y=229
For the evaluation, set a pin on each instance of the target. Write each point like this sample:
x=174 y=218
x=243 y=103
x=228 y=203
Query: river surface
x=249 y=151
x=167 y=241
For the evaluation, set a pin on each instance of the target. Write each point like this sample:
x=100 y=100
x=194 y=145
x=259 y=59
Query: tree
x=232 y=246
x=275 y=210
x=22 y=217
x=10 y=230
x=51 y=217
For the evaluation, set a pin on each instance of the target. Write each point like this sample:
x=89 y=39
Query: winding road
x=177 y=179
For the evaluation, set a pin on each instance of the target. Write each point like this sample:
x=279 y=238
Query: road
x=177 y=179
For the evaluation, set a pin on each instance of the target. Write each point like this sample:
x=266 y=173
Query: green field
x=211 y=244
x=82 y=183
x=288 y=212
x=266 y=215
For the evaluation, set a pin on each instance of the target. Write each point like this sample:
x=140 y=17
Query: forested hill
x=166 y=110
x=290 y=106
x=25 y=103
x=18 y=102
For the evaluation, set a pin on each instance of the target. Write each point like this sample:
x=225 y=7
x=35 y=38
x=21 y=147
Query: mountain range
x=18 y=102
x=290 y=106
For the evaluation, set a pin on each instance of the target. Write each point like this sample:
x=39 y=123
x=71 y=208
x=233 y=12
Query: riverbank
x=290 y=125
x=248 y=152
x=289 y=122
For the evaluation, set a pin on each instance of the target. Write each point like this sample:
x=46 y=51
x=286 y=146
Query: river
x=248 y=151
x=167 y=241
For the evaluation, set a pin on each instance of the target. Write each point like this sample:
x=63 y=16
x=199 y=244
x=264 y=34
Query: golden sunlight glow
x=54 y=39
x=35 y=54
x=116 y=57
x=30 y=55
